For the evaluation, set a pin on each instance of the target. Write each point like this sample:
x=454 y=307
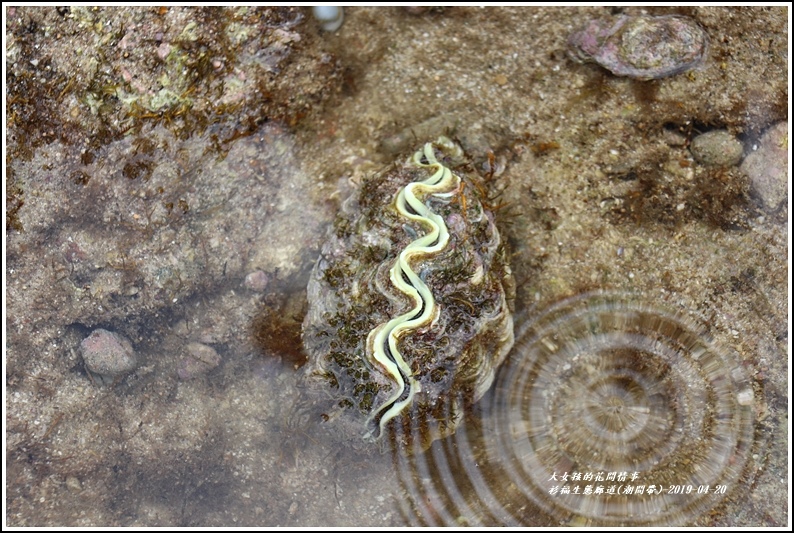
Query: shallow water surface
x=180 y=194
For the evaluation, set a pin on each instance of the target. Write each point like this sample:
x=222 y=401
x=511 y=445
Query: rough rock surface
x=767 y=167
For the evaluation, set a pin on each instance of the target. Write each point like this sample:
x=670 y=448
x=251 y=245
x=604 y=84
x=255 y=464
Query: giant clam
x=409 y=301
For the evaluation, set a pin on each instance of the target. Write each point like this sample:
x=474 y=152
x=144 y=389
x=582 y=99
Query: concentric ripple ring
x=608 y=411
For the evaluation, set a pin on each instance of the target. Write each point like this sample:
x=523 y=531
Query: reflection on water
x=609 y=411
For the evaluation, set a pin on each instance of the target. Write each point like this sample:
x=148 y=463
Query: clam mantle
x=409 y=302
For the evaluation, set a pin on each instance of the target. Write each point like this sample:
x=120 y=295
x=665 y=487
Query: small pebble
x=199 y=360
x=108 y=354
x=767 y=167
x=329 y=17
x=256 y=281
x=673 y=138
x=74 y=484
x=163 y=50
x=717 y=148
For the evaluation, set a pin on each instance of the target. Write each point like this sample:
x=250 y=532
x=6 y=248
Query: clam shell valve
x=409 y=302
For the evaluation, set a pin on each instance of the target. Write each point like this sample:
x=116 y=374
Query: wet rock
x=108 y=354
x=673 y=138
x=641 y=47
x=767 y=167
x=329 y=17
x=256 y=281
x=199 y=360
x=717 y=148
x=74 y=484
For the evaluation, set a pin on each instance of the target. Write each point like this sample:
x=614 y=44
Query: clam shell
x=408 y=302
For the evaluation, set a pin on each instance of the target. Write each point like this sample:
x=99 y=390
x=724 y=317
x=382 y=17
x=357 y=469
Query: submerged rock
x=717 y=148
x=767 y=167
x=642 y=47
x=107 y=354
x=199 y=360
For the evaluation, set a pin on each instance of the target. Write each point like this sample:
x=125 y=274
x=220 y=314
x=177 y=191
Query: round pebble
x=329 y=17
x=199 y=360
x=74 y=484
x=717 y=148
x=767 y=167
x=256 y=281
x=108 y=354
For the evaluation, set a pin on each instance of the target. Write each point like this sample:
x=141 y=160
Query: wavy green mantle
x=409 y=301
x=382 y=341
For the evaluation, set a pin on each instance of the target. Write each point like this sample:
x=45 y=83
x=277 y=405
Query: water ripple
x=609 y=411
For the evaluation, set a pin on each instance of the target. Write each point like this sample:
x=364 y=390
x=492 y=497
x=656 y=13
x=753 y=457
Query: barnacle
x=408 y=303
